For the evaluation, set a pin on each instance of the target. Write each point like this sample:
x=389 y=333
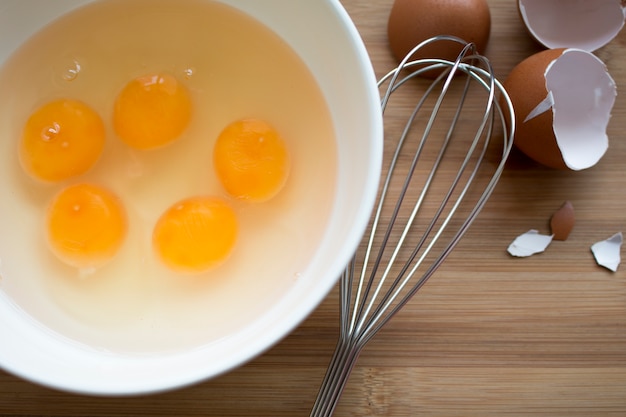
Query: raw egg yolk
x=251 y=160
x=152 y=111
x=86 y=225
x=61 y=139
x=195 y=234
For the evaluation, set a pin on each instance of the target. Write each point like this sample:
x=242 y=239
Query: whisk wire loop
x=375 y=286
x=399 y=284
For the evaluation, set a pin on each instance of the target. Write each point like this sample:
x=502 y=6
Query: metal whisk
x=453 y=167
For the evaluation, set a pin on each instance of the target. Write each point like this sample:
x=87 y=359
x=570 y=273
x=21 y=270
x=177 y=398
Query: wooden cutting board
x=488 y=336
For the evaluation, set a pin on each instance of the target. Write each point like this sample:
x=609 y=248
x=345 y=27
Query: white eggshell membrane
x=607 y=252
x=581 y=95
x=583 y=24
x=529 y=243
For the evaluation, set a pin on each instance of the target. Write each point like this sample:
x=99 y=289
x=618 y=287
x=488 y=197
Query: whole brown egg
x=414 y=21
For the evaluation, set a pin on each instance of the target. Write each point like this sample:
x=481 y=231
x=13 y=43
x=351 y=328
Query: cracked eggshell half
x=563 y=100
x=582 y=24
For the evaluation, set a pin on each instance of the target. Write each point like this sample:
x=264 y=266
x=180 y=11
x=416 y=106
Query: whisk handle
x=337 y=375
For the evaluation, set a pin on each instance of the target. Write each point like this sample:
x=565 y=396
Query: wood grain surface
x=489 y=335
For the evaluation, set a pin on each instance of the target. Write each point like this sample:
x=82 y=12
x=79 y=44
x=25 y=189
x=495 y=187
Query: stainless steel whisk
x=447 y=150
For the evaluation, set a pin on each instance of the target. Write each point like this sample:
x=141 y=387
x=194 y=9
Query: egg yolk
x=152 y=111
x=251 y=160
x=86 y=225
x=195 y=234
x=62 y=139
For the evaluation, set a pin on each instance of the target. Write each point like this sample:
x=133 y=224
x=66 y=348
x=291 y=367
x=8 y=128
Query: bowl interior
x=339 y=63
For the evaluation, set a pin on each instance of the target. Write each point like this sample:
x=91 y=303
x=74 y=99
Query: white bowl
x=338 y=60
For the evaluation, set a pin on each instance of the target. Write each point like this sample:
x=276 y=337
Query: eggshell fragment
x=529 y=243
x=607 y=252
x=562 y=221
x=563 y=100
x=414 y=21
x=587 y=25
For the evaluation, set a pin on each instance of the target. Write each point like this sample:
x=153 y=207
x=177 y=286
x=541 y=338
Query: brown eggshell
x=414 y=21
x=562 y=221
x=587 y=25
x=526 y=86
x=562 y=100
